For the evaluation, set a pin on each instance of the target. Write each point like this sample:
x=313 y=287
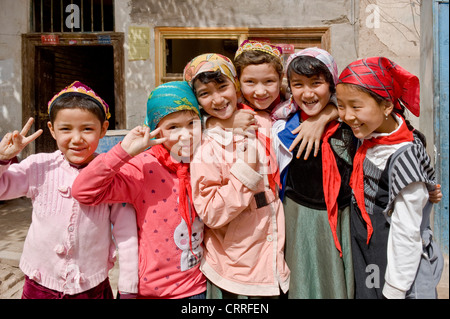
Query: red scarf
x=331 y=179
x=386 y=78
x=187 y=209
x=274 y=172
x=403 y=134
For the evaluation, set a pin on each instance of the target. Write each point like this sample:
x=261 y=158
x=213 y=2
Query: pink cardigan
x=69 y=246
x=167 y=268
x=245 y=239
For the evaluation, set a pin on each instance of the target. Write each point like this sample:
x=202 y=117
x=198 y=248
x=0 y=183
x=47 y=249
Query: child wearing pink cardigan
x=69 y=247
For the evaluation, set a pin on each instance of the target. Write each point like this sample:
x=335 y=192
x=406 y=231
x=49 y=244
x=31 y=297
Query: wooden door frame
x=163 y=33
x=309 y=35
x=32 y=40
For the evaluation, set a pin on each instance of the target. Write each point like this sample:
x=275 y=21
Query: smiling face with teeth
x=311 y=94
x=77 y=133
x=260 y=85
x=218 y=99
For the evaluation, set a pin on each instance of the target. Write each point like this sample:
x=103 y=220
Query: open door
x=58 y=67
x=48 y=68
x=45 y=88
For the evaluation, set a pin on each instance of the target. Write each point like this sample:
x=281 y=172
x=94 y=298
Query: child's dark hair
x=309 y=67
x=211 y=76
x=254 y=57
x=381 y=100
x=80 y=101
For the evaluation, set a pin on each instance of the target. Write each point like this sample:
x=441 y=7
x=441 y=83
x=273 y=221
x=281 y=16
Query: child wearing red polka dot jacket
x=157 y=182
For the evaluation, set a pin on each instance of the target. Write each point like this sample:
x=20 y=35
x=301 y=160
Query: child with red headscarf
x=394 y=254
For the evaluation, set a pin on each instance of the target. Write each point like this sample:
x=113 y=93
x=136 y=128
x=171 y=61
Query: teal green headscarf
x=169 y=98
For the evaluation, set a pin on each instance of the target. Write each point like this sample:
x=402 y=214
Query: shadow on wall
x=10 y=96
x=199 y=13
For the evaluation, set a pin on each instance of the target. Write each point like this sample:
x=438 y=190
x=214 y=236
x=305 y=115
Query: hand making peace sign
x=13 y=143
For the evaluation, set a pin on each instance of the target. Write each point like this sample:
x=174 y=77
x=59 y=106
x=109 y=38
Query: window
x=180 y=51
x=175 y=47
x=72 y=16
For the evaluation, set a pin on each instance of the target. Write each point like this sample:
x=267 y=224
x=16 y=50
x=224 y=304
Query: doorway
x=58 y=67
x=47 y=69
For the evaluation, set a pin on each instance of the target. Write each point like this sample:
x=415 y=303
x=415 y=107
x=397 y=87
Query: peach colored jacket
x=244 y=243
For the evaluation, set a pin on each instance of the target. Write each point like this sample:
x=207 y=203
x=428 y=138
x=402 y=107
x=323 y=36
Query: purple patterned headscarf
x=285 y=109
x=321 y=55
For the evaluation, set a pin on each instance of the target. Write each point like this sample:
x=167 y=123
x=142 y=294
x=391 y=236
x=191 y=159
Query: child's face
x=77 y=133
x=361 y=112
x=311 y=94
x=217 y=99
x=183 y=132
x=260 y=85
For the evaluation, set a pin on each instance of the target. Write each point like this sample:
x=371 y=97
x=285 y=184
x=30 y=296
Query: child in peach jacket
x=245 y=236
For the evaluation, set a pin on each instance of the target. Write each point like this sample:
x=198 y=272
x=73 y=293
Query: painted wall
x=140 y=78
x=13 y=22
x=392 y=29
x=358 y=29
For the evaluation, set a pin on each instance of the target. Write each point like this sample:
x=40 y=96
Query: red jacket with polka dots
x=167 y=267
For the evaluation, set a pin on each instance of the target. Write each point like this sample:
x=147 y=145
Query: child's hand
x=241 y=120
x=309 y=133
x=248 y=152
x=139 y=139
x=435 y=195
x=13 y=143
x=244 y=119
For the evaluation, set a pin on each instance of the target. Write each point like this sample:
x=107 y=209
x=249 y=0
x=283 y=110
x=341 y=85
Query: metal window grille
x=72 y=16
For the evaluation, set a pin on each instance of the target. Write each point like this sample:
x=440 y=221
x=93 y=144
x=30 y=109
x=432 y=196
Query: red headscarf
x=387 y=79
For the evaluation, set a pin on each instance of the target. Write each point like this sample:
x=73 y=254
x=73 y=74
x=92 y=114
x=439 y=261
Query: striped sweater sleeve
x=409 y=165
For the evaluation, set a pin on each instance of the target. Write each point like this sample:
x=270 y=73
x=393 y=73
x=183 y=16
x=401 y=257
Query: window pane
x=73 y=15
x=180 y=51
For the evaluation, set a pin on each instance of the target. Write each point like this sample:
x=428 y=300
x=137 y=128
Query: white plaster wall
x=13 y=22
x=427 y=77
x=140 y=77
x=395 y=36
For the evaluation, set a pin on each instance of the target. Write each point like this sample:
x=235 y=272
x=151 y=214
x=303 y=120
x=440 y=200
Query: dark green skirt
x=317 y=270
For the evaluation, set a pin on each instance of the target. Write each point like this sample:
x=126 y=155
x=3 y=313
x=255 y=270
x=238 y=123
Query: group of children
x=217 y=195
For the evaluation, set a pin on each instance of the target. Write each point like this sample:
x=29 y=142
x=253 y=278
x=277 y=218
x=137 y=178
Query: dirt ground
x=15 y=218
